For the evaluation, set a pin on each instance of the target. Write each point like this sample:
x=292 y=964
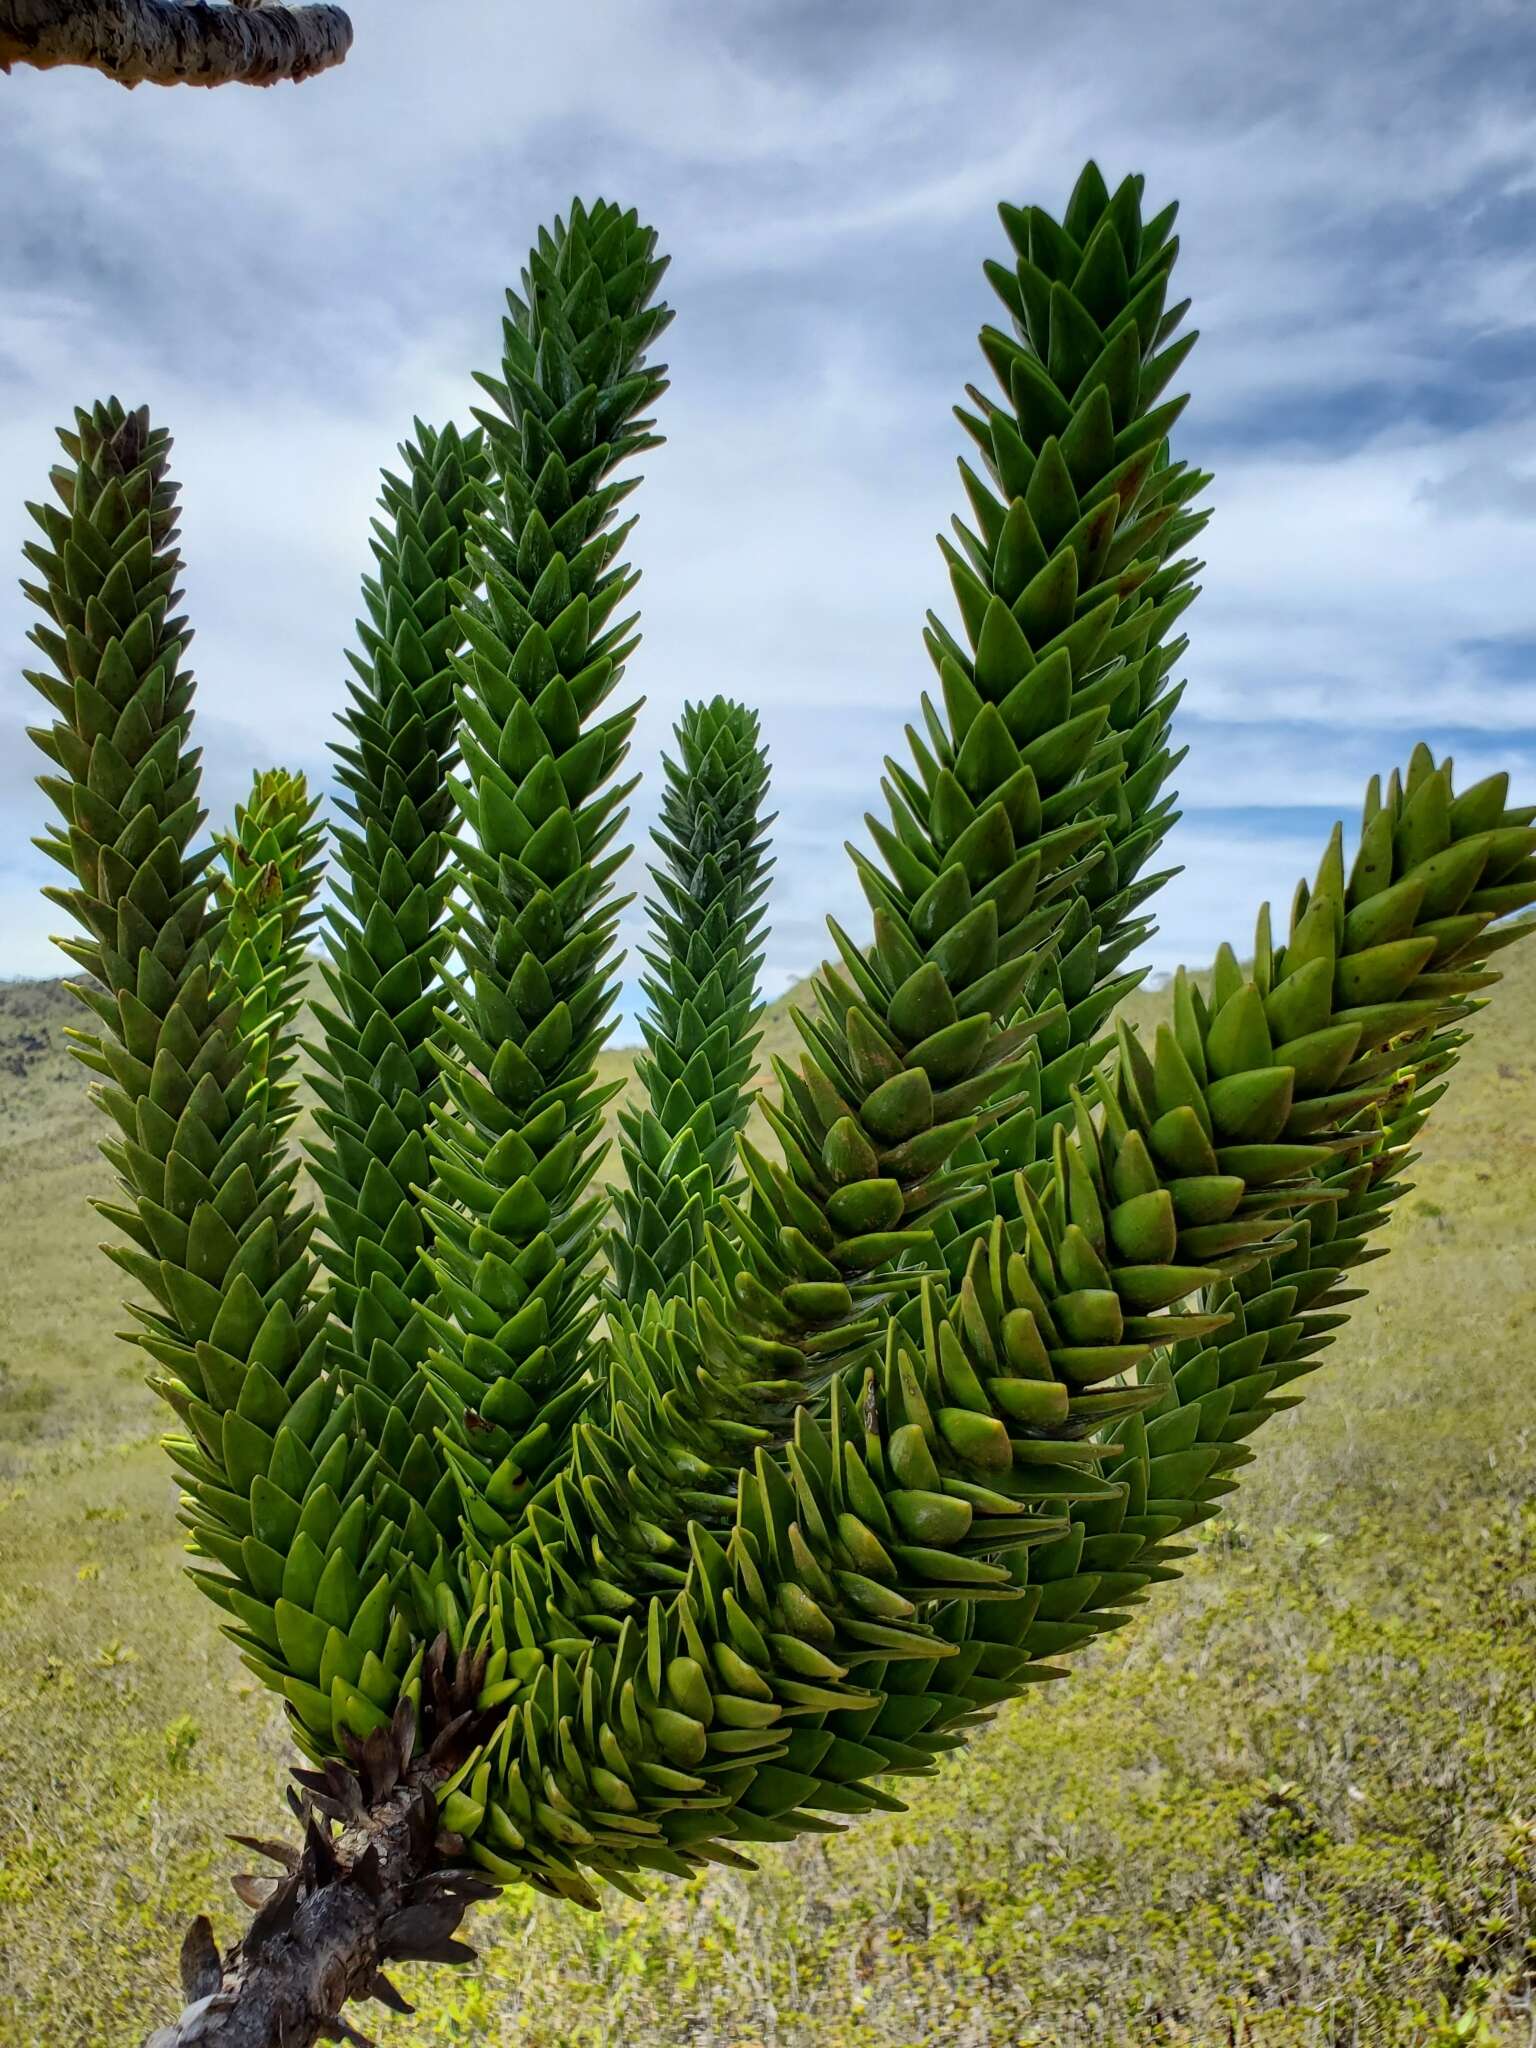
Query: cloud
x=1486 y=485
x=1229 y=867
x=287 y=277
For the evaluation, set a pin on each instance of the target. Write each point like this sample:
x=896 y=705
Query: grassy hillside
x=1295 y=1804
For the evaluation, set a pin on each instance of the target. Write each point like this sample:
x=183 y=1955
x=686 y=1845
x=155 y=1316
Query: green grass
x=1294 y=1804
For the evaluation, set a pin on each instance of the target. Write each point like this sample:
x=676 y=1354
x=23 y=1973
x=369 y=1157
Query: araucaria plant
x=588 y=1546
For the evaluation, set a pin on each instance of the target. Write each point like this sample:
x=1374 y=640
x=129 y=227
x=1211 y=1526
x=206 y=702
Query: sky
x=287 y=277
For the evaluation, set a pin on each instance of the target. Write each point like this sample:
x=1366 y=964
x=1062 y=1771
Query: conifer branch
x=279 y=1500
x=387 y=935
x=1091 y=312
x=269 y=869
x=700 y=1033
x=515 y=1151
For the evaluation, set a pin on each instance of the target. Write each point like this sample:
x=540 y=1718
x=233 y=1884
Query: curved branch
x=163 y=42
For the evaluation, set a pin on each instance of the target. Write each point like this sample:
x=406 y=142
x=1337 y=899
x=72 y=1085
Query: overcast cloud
x=287 y=277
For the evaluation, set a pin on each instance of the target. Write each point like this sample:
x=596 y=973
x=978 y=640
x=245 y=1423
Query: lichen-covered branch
x=174 y=42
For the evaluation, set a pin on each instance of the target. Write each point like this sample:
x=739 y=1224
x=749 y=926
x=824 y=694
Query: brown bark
x=389 y=1887
x=174 y=42
x=315 y=1945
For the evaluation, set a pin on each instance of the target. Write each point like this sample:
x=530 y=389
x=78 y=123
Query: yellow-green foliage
x=1295 y=1804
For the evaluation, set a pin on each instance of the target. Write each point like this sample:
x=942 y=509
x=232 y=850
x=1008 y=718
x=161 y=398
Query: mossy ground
x=1294 y=1804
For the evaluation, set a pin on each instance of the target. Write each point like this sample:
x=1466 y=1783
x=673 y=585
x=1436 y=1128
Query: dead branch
x=174 y=42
